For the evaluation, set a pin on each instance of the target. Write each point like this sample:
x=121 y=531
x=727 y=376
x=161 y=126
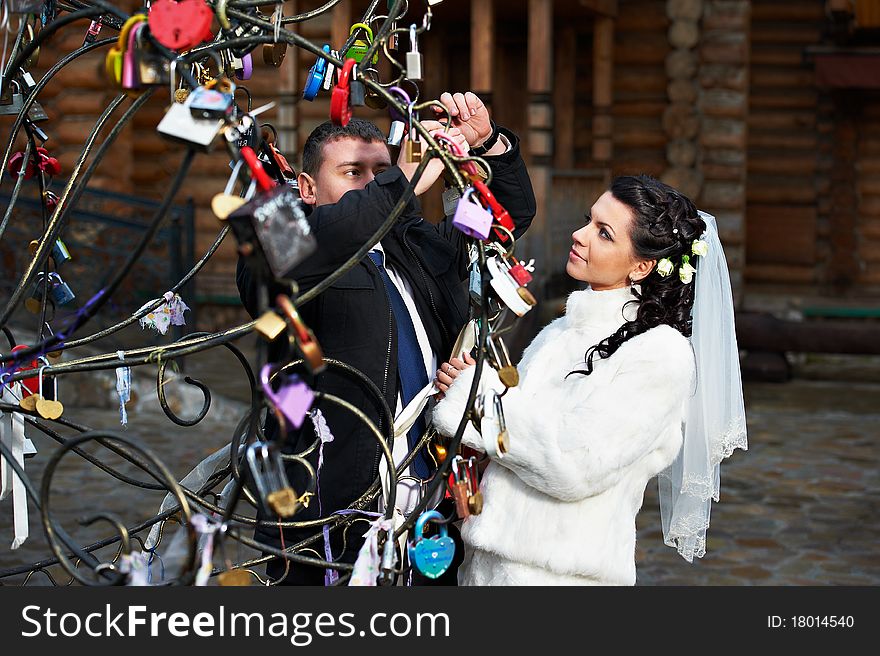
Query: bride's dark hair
x=665 y=223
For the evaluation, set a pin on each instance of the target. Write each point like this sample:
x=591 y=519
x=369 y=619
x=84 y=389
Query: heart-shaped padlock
x=431 y=556
x=293 y=399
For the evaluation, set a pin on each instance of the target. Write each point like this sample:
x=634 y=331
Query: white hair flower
x=699 y=247
x=686 y=271
x=665 y=267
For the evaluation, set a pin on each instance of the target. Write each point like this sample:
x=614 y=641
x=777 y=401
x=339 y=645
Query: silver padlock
x=451 y=196
x=396 y=132
x=179 y=124
x=267 y=471
x=60 y=292
x=413 y=56
x=329 y=73
x=11 y=101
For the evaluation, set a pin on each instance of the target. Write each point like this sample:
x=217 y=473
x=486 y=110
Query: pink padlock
x=293 y=399
x=129 y=66
x=471 y=217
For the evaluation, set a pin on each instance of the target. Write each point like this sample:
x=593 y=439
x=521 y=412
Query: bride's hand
x=449 y=371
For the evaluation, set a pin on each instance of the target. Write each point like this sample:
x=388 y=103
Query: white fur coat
x=560 y=506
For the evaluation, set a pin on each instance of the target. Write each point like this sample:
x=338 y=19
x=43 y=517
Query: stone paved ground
x=799 y=508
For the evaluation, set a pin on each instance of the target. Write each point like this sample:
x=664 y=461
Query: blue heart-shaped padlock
x=431 y=556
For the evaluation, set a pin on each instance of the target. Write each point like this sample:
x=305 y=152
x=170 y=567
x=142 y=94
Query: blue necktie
x=410 y=364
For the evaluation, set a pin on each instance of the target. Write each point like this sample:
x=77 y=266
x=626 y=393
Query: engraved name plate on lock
x=280 y=226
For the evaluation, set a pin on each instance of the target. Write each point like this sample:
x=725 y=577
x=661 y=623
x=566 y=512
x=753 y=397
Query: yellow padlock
x=113 y=61
x=359 y=49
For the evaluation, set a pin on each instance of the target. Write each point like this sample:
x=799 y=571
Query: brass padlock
x=273 y=53
x=475 y=503
x=234 y=577
x=413 y=151
x=270 y=325
x=283 y=502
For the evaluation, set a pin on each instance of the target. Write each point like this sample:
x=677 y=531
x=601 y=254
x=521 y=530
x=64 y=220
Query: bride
x=640 y=377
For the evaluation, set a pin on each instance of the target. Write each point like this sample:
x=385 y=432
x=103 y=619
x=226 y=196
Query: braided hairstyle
x=665 y=223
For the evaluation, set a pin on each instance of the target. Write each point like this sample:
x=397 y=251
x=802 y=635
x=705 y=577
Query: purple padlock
x=247 y=68
x=472 y=218
x=293 y=399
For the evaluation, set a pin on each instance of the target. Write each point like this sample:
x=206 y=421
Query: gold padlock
x=509 y=376
x=234 y=577
x=270 y=326
x=475 y=503
x=283 y=502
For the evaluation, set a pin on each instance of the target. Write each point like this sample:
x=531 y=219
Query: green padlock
x=359 y=49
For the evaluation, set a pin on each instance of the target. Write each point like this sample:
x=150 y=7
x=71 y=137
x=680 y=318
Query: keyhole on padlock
x=176 y=33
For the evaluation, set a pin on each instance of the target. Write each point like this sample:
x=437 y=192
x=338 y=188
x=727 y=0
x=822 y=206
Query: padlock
x=431 y=556
x=475 y=498
x=276 y=222
x=59 y=291
x=413 y=56
x=492 y=425
x=507 y=288
x=113 y=62
x=225 y=203
x=11 y=101
x=48 y=408
x=503 y=439
x=214 y=103
x=37 y=114
x=59 y=252
x=93 y=32
x=153 y=69
x=396 y=132
x=293 y=399
x=130 y=72
x=372 y=99
x=270 y=325
x=234 y=578
x=460 y=488
x=315 y=76
x=521 y=274
x=181 y=24
x=273 y=53
x=358 y=50
x=180 y=125
x=475 y=284
x=267 y=472
x=501 y=215
x=34 y=302
x=243 y=67
x=340 y=100
x=471 y=217
x=357 y=96
x=413 y=144
x=507 y=372
x=304 y=336
x=25 y=6
x=330 y=73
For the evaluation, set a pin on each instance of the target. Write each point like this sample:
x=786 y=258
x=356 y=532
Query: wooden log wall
x=640 y=50
x=868 y=190
x=790 y=156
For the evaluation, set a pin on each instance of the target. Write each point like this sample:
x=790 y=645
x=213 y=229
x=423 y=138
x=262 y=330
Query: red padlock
x=340 y=101
x=258 y=173
x=51 y=199
x=28 y=385
x=181 y=24
x=520 y=274
x=14 y=166
x=48 y=164
x=501 y=215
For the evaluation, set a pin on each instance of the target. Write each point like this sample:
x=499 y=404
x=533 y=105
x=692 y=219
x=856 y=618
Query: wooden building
x=766 y=112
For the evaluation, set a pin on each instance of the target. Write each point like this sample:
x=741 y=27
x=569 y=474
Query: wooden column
x=288 y=114
x=603 y=65
x=843 y=265
x=539 y=144
x=482 y=47
x=564 y=97
x=340 y=24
